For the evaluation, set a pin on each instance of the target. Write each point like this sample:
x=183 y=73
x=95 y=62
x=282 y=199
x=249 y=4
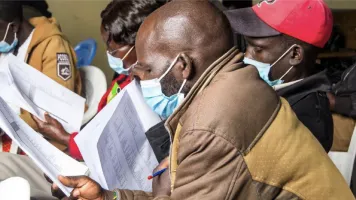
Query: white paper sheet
x=25 y=87
x=344 y=161
x=48 y=158
x=114 y=145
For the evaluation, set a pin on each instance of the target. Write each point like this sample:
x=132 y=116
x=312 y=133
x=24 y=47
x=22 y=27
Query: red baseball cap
x=310 y=21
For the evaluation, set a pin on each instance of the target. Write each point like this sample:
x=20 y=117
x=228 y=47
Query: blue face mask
x=117 y=64
x=6 y=47
x=264 y=68
x=154 y=97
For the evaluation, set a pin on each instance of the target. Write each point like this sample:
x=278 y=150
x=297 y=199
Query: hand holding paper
x=48 y=158
x=52 y=129
x=27 y=88
x=114 y=145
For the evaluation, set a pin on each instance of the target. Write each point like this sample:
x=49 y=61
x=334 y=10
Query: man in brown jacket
x=232 y=137
x=40 y=43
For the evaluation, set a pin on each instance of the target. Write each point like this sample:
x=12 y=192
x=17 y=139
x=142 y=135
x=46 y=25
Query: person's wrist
x=331 y=98
x=109 y=195
x=65 y=138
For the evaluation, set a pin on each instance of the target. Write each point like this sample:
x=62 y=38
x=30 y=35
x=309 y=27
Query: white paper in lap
x=25 y=87
x=118 y=153
x=48 y=158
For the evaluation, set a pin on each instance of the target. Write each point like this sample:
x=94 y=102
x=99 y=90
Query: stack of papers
x=25 y=87
x=114 y=145
x=47 y=157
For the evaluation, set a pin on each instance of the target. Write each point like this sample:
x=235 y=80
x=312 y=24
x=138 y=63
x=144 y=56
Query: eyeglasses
x=128 y=53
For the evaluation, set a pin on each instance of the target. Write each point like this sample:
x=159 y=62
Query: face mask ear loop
x=132 y=66
x=169 y=68
x=183 y=84
x=285 y=53
x=128 y=53
x=286 y=73
x=7 y=30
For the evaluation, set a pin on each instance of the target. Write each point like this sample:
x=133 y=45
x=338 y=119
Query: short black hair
x=123 y=18
x=230 y=4
x=39 y=5
x=10 y=10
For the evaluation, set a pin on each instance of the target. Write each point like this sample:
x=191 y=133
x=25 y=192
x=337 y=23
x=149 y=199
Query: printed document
x=114 y=145
x=47 y=157
x=23 y=86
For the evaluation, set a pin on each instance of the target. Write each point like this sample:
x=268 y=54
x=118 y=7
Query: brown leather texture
x=343 y=130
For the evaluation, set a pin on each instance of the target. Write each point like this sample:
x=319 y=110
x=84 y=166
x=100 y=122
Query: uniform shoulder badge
x=64 y=69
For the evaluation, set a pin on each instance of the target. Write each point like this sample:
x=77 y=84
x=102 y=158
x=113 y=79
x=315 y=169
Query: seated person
x=40 y=43
x=342 y=102
x=233 y=137
x=284 y=47
x=119 y=33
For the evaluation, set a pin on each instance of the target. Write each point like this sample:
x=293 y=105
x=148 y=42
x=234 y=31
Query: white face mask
x=154 y=97
x=117 y=64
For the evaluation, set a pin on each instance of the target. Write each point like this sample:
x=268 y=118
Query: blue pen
x=156 y=173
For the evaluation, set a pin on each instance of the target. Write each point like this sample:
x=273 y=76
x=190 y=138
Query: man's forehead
x=149 y=44
x=151 y=59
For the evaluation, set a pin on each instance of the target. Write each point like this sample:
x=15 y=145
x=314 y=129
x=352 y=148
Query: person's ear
x=296 y=55
x=185 y=66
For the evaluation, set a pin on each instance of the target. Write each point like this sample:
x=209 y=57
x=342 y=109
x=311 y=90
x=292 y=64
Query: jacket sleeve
x=133 y=195
x=56 y=46
x=208 y=167
x=345 y=93
x=204 y=160
x=49 y=67
x=73 y=148
x=346 y=105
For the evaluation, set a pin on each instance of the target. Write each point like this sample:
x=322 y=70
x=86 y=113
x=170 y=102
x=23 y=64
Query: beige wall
x=335 y=4
x=342 y=4
x=80 y=19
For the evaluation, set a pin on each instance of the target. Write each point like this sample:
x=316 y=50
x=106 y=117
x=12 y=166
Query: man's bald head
x=196 y=31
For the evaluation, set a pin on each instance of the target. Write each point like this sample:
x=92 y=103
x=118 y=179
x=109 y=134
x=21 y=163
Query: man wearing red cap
x=284 y=38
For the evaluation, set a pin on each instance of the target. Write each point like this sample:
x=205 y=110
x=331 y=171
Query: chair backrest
x=85 y=52
x=94 y=86
x=344 y=161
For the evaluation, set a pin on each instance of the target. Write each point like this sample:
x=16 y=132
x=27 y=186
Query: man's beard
x=170 y=85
